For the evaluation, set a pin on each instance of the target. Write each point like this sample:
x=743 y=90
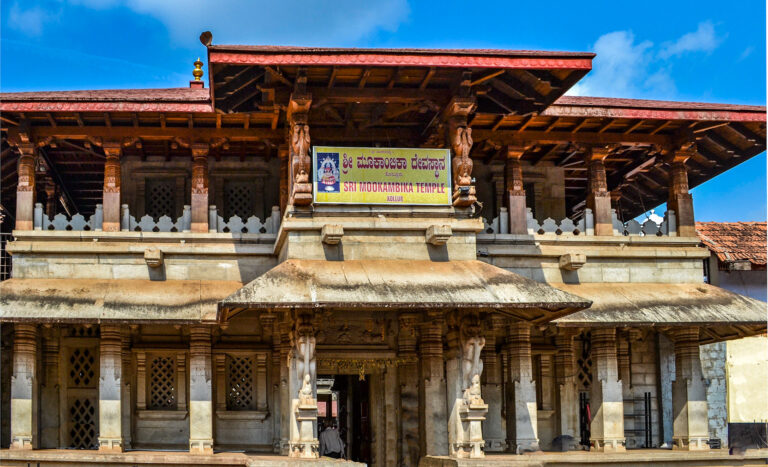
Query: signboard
x=381 y=175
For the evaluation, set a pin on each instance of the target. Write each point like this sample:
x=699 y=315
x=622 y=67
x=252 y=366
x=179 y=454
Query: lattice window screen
x=584 y=362
x=82 y=423
x=240 y=389
x=162 y=383
x=160 y=197
x=82 y=368
x=239 y=198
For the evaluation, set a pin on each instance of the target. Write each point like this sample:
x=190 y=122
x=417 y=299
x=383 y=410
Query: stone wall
x=713 y=369
x=644 y=378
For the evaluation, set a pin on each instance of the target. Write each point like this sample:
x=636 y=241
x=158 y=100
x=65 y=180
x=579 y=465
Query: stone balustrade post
x=598 y=197
x=24 y=388
x=200 y=390
x=110 y=389
x=566 y=391
x=112 y=183
x=690 y=429
x=606 y=399
x=524 y=430
x=434 y=414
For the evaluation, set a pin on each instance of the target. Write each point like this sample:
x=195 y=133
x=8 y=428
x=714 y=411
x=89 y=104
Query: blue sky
x=677 y=50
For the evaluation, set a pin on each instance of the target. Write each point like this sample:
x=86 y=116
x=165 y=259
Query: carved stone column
x=493 y=429
x=598 y=198
x=127 y=407
x=110 y=390
x=49 y=389
x=434 y=414
x=680 y=199
x=272 y=334
x=285 y=395
x=199 y=198
x=459 y=136
x=518 y=223
x=24 y=388
x=408 y=372
x=606 y=399
x=25 y=186
x=567 y=396
x=303 y=388
x=523 y=403
x=200 y=391
x=689 y=395
x=112 y=182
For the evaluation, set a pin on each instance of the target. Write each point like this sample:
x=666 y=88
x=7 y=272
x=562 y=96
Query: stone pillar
x=680 y=199
x=24 y=387
x=110 y=390
x=689 y=395
x=493 y=430
x=523 y=404
x=285 y=396
x=272 y=333
x=25 y=186
x=127 y=406
x=464 y=369
x=433 y=419
x=567 y=394
x=623 y=363
x=408 y=372
x=391 y=434
x=49 y=389
x=598 y=197
x=199 y=198
x=606 y=400
x=460 y=140
x=303 y=388
x=112 y=182
x=200 y=391
x=518 y=222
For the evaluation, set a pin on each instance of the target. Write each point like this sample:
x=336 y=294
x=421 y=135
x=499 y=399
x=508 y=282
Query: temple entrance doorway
x=345 y=401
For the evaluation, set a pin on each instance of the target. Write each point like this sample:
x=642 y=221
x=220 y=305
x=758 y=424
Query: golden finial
x=198 y=71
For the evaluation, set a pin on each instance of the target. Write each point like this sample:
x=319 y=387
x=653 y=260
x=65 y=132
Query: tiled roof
x=651 y=104
x=113 y=95
x=335 y=50
x=735 y=241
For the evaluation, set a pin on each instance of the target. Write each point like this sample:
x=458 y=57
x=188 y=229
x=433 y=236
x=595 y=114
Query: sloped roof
x=382 y=284
x=735 y=241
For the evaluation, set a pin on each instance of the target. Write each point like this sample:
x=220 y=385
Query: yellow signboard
x=381 y=175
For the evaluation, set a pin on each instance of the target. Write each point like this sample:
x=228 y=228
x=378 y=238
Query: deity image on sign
x=328 y=172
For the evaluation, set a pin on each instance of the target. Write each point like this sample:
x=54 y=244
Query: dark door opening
x=345 y=400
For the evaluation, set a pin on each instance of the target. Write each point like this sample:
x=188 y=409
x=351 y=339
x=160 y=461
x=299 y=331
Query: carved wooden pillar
x=566 y=400
x=606 y=399
x=112 y=182
x=199 y=198
x=598 y=198
x=434 y=414
x=298 y=139
x=460 y=140
x=25 y=187
x=408 y=372
x=200 y=390
x=518 y=223
x=525 y=423
x=110 y=391
x=24 y=387
x=680 y=199
x=690 y=430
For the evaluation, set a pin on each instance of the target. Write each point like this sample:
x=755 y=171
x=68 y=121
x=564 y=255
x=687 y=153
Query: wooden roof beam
x=514 y=137
x=364 y=78
x=332 y=79
x=634 y=126
x=723 y=143
x=748 y=134
x=427 y=78
x=546 y=154
x=279 y=76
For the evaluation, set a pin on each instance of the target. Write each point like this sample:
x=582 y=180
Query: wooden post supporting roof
x=515 y=192
x=598 y=197
x=680 y=199
x=112 y=182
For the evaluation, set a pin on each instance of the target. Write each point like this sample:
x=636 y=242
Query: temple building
x=436 y=250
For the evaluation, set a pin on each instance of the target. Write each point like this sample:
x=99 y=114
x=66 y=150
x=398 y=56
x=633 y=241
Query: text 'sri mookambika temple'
x=434 y=250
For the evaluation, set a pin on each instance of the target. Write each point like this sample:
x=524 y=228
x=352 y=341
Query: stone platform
x=72 y=458
x=639 y=457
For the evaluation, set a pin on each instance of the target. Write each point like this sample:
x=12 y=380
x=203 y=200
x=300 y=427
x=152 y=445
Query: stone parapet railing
x=584 y=226
x=128 y=223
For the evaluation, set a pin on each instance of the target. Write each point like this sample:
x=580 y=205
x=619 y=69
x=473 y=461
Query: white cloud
x=625 y=67
x=746 y=53
x=30 y=21
x=295 y=22
x=703 y=39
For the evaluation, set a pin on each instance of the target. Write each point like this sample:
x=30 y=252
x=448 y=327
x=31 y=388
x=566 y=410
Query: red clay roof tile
x=735 y=241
